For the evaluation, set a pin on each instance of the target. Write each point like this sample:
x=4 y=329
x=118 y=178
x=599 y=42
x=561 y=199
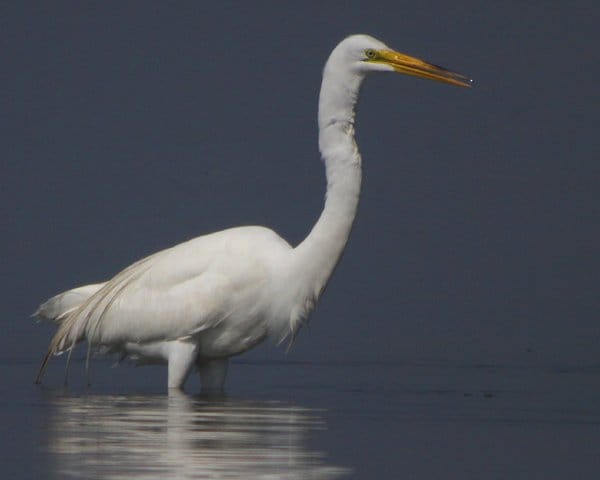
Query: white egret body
x=215 y=296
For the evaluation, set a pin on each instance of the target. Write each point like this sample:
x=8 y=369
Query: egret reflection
x=147 y=437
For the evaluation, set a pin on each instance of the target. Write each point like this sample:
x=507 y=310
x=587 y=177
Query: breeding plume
x=200 y=302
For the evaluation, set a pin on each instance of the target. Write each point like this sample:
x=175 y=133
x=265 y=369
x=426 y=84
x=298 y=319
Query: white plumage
x=218 y=295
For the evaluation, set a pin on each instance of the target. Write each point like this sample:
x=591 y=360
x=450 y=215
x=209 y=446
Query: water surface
x=288 y=420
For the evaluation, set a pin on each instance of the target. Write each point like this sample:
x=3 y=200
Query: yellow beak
x=413 y=66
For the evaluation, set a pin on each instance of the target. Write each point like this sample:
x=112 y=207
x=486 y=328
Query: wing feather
x=175 y=293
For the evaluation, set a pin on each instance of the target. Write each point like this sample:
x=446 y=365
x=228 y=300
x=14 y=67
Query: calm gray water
x=293 y=420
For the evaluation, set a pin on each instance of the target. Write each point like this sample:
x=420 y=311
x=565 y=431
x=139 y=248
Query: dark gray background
x=128 y=127
x=458 y=337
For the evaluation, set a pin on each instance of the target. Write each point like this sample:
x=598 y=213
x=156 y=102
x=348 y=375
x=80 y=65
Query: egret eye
x=370 y=53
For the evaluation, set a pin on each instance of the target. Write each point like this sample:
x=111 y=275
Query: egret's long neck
x=320 y=252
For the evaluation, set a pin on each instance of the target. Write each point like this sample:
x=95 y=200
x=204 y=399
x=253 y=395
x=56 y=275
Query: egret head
x=362 y=54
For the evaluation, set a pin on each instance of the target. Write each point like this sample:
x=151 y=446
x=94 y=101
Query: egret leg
x=212 y=374
x=182 y=356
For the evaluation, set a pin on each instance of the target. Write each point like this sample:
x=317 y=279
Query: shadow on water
x=178 y=436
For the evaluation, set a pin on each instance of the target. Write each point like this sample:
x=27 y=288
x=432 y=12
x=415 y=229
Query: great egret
x=218 y=295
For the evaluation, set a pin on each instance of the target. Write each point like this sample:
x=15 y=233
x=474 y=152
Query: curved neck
x=320 y=252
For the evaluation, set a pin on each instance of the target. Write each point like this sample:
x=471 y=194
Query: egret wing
x=174 y=293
